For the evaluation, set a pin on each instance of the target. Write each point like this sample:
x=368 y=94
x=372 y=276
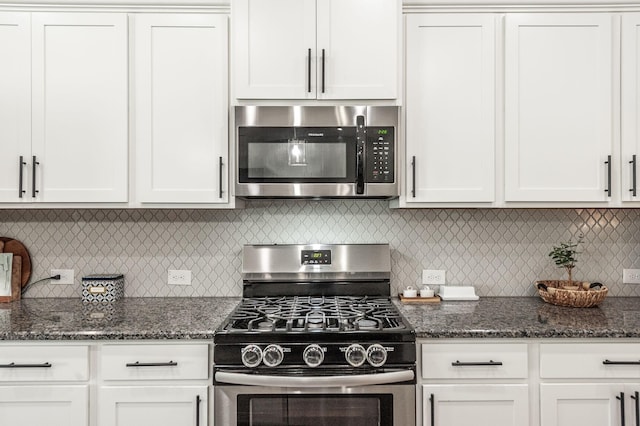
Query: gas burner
x=304 y=313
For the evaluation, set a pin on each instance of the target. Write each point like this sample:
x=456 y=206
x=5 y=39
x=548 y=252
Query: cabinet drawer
x=474 y=361
x=590 y=360
x=43 y=363
x=155 y=362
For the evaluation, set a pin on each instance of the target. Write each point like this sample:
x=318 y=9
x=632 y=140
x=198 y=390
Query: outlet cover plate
x=631 y=276
x=433 y=276
x=66 y=276
x=179 y=277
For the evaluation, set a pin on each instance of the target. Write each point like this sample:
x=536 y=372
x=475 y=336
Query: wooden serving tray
x=419 y=300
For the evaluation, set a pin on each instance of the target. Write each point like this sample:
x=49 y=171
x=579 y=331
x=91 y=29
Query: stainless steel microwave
x=316 y=151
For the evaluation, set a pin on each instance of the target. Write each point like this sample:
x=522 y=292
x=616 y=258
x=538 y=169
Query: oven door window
x=297 y=154
x=315 y=410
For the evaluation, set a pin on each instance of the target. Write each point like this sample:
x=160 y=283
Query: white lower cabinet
x=589 y=384
x=477 y=404
x=105 y=384
x=153 y=405
x=478 y=384
x=153 y=384
x=44 y=385
x=44 y=405
x=584 y=404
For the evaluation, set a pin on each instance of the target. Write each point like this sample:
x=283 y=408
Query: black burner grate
x=315 y=313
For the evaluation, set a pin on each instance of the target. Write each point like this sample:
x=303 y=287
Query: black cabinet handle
x=152 y=364
x=608 y=188
x=413 y=176
x=14 y=365
x=607 y=362
x=633 y=175
x=21 y=164
x=621 y=399
x=361 y=137
x=433 y=406
x=34 y=163
x=474 y=364
x=322 y=70
x=197 y=410
x=220 y=164
x=309 y=71
x=636 y=397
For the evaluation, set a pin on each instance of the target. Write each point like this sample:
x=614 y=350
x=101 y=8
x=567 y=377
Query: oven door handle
x=315 y=381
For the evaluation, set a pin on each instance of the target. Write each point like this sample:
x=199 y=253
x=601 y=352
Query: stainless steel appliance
x=316 y=340
x=316 y=151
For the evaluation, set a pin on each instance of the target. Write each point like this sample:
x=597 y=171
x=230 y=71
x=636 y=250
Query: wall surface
x=500 y=251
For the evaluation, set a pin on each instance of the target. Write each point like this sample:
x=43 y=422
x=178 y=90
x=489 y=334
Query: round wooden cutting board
x=18 y=249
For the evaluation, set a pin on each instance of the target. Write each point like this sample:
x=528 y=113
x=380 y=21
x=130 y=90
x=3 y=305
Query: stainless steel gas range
x=316 y=340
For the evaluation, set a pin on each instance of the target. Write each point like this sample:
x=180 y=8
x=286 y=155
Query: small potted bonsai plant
x=566 y=256
x=570 y=292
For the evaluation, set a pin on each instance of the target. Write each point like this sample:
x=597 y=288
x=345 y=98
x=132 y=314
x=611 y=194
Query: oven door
x=315 y=401
x=296 y=161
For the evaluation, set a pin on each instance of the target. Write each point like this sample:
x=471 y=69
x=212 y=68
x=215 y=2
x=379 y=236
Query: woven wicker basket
x=551 y=291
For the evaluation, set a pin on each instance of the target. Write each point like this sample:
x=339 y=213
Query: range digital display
x=316 y=257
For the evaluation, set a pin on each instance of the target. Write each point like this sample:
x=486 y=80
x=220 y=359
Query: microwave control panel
x=380 y=156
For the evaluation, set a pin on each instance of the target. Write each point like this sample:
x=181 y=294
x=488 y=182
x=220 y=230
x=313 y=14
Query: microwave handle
x=360 y=141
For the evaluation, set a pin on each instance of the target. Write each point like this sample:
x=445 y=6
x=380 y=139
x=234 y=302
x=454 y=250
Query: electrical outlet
x=66 y=276
x=179 y=277
x=433 y=276
x=631 y=276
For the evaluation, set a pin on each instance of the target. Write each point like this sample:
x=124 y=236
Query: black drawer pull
x=636 y=397
x=608 y=188
x=34 y=163
x=607 y=362
x=14 y=365
x=152 y=364
x=464 y=364
x=197 y=410
x=622 y=416
x=220 y=165
x=432 y=402
x=21 y=164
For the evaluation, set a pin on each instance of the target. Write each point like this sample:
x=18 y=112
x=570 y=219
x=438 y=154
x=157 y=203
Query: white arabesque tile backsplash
x=500 y=251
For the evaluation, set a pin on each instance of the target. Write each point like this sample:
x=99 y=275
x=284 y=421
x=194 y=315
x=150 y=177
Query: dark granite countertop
x=524 y=317
x=198 y=317
x=127 y=319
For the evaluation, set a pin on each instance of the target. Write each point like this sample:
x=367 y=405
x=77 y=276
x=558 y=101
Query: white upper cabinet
x=80 y=107
x=450 y=108
x=316 y=49
x=15 y=105
x=558 y=107
x=630 y=106
x=181 y=108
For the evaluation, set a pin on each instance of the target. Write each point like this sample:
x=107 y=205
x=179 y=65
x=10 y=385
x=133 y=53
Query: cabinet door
x=584 y=404
x=558 y=112
x=181 y=108
x=478 y=405
x=152 y=406
x=15 y=104
x=274 y=49
x=450 y=108
x=80 y=106
x=630 y=106
x=358 y=49
x=44 y=405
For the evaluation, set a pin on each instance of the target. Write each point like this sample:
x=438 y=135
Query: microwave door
x=296 y=155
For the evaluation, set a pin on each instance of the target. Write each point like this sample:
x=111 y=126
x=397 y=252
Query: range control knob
x=376 y=355
x=251 y=356
x=355 y=355
x=272 y=355
x=313 y=355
